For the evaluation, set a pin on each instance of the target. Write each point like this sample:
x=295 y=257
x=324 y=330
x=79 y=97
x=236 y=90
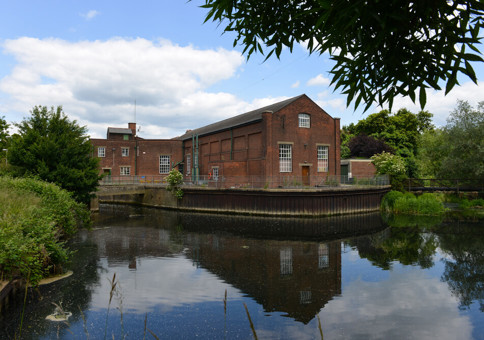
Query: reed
x=250 y=321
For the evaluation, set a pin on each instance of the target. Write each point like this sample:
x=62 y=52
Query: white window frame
x=215 y=173
x=304 y=120
x=125 y=151
x=125 y=171
x=164 y=164
x=323 y=158
x=189 y=165
x=101 y=151
x=285 y=157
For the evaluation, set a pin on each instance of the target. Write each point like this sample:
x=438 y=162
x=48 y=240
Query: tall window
x=285 y=157
x=164 y=164
x=322 y=158
x=125 y=152
x=125 y=170
x=101 y=151
x=188 y=164
x=304 y=120
x=215 y=173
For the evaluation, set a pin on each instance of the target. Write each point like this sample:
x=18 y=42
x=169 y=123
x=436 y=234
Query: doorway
x=305 y=175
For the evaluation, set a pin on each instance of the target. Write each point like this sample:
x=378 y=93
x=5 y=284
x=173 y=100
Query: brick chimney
x=132 y=127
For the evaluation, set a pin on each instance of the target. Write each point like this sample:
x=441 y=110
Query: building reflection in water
x=284 y=274
x=293 y=277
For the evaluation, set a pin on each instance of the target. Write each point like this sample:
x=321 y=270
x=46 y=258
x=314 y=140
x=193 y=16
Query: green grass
x=35 y=219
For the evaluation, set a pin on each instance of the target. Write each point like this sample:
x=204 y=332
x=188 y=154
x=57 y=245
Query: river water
x=185 y=276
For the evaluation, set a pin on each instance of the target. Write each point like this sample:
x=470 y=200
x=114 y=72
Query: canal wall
x=264 y=202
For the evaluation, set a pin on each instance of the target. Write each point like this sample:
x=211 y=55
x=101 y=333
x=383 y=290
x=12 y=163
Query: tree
x=366 y=146
x=381 y=48
x=56 y=150
x=464 y=143
x=400 y=131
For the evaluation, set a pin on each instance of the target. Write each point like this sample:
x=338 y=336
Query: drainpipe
x=232 y=144
x=136 y=159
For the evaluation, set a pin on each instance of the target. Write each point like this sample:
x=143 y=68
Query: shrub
x=393 y=165
x=408 y=203
x=35 y=218
x=174 y=180
x=388 y=201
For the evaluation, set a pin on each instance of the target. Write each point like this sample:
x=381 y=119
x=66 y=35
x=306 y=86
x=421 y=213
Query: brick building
x=293 y=139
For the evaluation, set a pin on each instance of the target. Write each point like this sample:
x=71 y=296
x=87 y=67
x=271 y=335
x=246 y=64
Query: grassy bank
x=35 y=220
x=407 y=203
x=398 y=203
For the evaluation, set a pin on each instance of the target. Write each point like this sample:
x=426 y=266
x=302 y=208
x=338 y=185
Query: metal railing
x=259 y=182
x=438 y=184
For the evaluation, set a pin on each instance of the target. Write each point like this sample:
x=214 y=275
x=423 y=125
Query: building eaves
x=239 y=120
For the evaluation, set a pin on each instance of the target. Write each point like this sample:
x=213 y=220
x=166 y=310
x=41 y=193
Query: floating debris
x=59 y=314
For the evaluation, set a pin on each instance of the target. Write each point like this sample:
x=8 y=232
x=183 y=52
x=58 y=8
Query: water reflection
x=174 y=268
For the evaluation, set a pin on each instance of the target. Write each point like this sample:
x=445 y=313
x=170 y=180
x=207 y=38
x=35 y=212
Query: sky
x=156 y=63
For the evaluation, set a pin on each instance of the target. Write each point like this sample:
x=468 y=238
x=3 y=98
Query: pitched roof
x=239 y=120
x=123 y=131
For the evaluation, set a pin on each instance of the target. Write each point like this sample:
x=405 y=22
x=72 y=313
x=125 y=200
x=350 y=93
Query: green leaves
x=57 y=150
x=381 y=49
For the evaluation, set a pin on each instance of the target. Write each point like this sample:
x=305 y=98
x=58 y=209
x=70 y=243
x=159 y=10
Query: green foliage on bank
x=50 y=146
x=407 y=203
x=35 y=220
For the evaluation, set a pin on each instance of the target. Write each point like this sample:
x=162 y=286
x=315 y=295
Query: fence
x=435 y=184
x=266 y=182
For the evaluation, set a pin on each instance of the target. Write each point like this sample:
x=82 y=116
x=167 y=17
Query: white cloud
x=90 y=15
x=97 y=82
x=295 y=85
x=319 y=80
x=441 y=105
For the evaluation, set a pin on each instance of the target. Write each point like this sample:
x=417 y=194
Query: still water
x=185 y=276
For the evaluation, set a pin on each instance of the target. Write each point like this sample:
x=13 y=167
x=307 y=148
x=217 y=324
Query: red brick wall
x=143 y=158
x=283 y=126
x=215 y=151
x=361 y=168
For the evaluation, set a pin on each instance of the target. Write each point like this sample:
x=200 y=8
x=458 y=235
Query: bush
x=393 y=165
x=399 y=203
x=35 y=219
x=388 y=201
x=174 y=180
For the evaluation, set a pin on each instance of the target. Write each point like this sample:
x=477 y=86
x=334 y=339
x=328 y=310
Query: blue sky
x=96 y=58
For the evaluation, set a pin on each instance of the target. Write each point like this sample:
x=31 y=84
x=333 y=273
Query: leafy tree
x=400 y=131
x=431 y=152
x=367 y=146
x=464 y=143
x=381 y=48
x=56 y=150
